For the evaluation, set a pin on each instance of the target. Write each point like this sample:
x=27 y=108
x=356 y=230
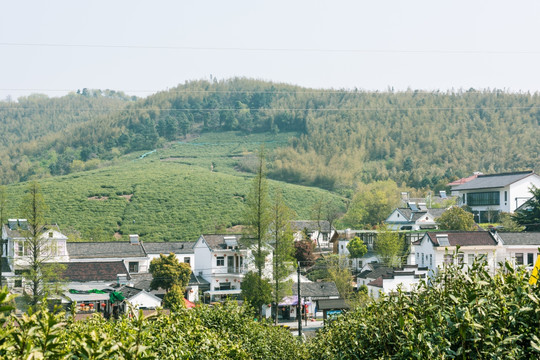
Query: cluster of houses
x=94 y=270
x=431 y=249
x=97 y=272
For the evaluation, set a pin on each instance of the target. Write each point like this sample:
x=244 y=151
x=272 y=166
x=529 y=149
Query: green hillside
x=343 y=137
x=172 y=194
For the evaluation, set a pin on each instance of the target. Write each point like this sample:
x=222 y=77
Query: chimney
x=121 y=279
x=134 y=239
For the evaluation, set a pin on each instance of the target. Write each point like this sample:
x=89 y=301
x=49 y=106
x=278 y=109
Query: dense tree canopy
x=168 y=272
x=345 y=137
x=456 y=218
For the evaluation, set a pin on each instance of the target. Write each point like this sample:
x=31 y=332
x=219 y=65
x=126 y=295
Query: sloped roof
x=310 y=225
x=413 y=216
x=378 y=282
x=176 y=247
x=464 y=238
x=109 y=249
x=94 y=271
x=316 y=289
x=217 y=241
x=463 y=180
x=493 y=181
x=142 y=281
x=522 y=238
x=18 y=231
x=378 y=271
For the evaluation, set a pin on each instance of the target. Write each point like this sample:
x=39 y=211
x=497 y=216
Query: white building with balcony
x=487 y=195
x=223 y=261
x=18 y=248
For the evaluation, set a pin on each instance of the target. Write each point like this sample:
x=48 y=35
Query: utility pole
x=299 y=306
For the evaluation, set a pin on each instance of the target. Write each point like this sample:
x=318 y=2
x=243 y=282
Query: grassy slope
x=170 y=194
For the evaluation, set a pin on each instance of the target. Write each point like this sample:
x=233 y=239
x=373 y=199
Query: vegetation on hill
x=173 y=194
x=418 y=139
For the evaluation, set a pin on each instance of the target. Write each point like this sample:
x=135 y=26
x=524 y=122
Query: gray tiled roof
x=142 y=281
x=19 y=233
x=177 y=247
x=522 y=238
x=94 y=271
x=311 y=225
x=110 y=249
x=316 y=289
x=464 y=238
x=493 y=181
x=217 y=241
x=412 y=216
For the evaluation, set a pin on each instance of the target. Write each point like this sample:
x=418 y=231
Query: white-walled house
x=342 y=240
x=384 y=280
x=182 y=249
x=520 y=248
x=132 y=254
x=436 y=249
x=414 y=217
x=318 y=231
x=489 y=194
x=17 y=251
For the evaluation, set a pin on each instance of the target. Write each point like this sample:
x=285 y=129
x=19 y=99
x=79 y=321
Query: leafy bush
x=464 y=313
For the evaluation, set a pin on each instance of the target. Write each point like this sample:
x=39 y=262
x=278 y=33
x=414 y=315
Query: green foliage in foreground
x=463 y=315
x=223 y=332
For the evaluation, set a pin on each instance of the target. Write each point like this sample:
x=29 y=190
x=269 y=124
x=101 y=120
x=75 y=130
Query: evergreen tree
x=258 y=217
x=283 y=243
x=530 y=215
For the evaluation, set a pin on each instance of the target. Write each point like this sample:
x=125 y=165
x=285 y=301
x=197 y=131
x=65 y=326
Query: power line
x=420 y=108
x=261 y=49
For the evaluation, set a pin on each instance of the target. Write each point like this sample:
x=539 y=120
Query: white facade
x=434 y=256
x=496 y=193
x=144 y=299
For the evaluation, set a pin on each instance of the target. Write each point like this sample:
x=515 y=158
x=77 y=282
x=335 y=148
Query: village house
x=416 y=216
x=379 y=279
x=17 y=250
x=182 y=249
x=131 y=253
x=520 y=248
x=223 y=260
x=487 y=195
x=435 y=250
x=319 y=232
x=342 y=239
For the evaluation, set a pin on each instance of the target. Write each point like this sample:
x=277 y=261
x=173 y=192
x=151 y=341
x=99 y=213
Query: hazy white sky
x=141 y=47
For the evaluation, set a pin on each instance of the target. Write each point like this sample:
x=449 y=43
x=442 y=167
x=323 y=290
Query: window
x=505 y=196
x=133 y=267
x=430 y=259
x=220 y=261
x=422 y=259
x=448 y=259
x=483 y=198
x=519 y=258
x=20 y=248
x=530 y=259
x=460 y=258
x=187 y=260
x=470 y=261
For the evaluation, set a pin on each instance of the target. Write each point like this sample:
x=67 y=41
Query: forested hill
x=416 y=138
